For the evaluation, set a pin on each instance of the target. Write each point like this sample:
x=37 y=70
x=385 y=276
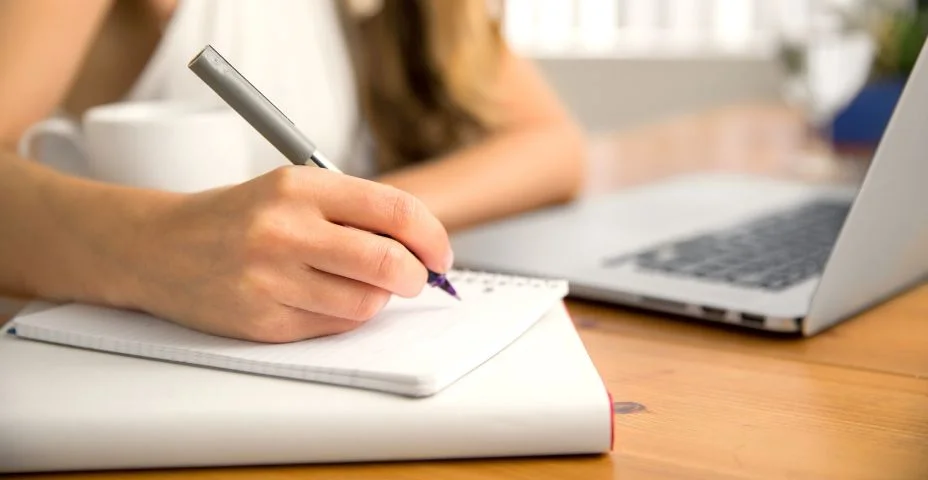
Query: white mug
x=174 y=146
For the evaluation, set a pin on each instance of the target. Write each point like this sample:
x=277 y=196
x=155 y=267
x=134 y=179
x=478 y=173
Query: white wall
x=610 y=94
x=622 y=62
x=619 y=63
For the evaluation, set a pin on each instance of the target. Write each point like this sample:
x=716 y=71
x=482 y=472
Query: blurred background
x=624 y=64
x=621 y=63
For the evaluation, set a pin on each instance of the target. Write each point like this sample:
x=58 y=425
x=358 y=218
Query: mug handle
x=60 y=129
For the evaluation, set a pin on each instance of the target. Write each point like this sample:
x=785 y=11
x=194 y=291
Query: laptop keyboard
x=772 y=252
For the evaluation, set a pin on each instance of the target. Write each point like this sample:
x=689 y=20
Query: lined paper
x=413 y=347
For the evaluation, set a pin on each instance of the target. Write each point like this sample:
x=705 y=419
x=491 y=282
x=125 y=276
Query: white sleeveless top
x=293 y=51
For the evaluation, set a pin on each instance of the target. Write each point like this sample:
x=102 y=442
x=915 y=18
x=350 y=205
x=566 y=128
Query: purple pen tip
x=440 y=281
x=446 y=286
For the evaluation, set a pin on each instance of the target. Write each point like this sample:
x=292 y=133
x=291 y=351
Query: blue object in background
x=863 y=121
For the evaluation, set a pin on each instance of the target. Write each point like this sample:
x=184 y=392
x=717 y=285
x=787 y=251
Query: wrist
x=103 y=233
x=128 y=254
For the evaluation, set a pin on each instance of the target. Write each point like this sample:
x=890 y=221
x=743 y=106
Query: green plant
x=900 y=36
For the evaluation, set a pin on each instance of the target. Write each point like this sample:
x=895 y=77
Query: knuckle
x=256 y=285
x=259 y=233
x=286 y=182
x=256 y=294
x=402 y=209
x=369 y=304
x=266 y=229
x=388 y=256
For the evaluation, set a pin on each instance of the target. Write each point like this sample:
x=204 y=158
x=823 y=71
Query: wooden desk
x=698 y=401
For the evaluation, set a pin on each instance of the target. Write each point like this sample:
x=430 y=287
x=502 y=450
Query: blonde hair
x=425 y=69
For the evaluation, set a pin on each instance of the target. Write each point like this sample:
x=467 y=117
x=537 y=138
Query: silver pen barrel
x=254 y=107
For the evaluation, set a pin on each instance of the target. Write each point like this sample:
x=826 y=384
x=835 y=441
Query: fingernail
x=449 y=261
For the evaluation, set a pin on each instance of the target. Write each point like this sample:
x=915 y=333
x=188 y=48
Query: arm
x=51 y=244
x=535 y=157
x=268 y=260
x=47 y=240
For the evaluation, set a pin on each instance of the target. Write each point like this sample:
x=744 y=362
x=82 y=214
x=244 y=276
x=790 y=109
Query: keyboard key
x=772 y=252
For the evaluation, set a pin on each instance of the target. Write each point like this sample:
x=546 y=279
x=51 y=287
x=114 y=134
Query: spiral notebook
x=414 y=347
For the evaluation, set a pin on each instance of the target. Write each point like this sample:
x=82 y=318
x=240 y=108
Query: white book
x=65 y=408
x=414 y=347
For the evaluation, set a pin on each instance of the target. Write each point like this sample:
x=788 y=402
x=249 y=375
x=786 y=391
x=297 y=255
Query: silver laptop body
x=758 y=252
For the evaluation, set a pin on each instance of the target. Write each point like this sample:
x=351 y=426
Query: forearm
x=509 y=172
x=67 y=239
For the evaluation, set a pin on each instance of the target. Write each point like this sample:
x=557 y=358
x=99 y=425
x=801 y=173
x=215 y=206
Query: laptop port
x=714 y=313
x=661 y=304
x=752 y=320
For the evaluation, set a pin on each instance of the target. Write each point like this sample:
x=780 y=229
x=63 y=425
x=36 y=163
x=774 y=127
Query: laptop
x=757 y=252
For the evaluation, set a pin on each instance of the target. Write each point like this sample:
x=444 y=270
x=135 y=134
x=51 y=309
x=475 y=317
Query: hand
x=276 y=259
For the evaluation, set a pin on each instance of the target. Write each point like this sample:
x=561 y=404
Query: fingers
x=365 y=257
x=326 y=294
x=291 y=302
x=378 y=208
x=314 y=261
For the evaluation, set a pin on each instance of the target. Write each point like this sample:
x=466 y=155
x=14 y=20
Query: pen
x=270 y=122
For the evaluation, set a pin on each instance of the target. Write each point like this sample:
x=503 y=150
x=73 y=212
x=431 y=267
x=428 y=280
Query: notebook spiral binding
x=494 y=279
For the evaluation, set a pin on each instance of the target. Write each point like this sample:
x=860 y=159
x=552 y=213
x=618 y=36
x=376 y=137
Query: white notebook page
x=414 y=346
